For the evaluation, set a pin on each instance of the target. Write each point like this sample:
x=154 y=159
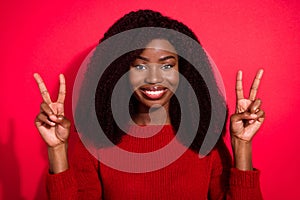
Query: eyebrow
x=160 y=59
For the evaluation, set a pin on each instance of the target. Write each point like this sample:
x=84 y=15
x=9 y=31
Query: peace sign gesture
x=248 y=116
x=50 y=122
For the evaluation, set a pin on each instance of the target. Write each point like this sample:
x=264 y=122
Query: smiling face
x=154 y=75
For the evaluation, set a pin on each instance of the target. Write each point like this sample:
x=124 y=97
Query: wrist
x=242 y=153
x=58 y=158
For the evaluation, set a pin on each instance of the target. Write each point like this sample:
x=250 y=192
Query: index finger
x=255 y=85
x=62 y=89
x=239 y=85
x=43 y=89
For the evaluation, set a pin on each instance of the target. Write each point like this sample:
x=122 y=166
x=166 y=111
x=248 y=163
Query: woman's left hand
x=248 y=117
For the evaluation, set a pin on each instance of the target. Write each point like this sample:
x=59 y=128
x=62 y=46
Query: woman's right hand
x=53 y=126
x=51 y=122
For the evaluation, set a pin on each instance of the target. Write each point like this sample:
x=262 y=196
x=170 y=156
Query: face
x=154 y=75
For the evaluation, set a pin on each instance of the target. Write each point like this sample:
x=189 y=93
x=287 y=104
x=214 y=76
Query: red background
x=52 y=37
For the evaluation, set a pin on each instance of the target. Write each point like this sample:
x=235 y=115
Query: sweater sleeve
x=231 y=183
x=80 y=181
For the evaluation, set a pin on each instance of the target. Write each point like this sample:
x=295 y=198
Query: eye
x=167 y=66
x=140 y=67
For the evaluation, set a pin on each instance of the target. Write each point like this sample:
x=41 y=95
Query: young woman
x=155 y=77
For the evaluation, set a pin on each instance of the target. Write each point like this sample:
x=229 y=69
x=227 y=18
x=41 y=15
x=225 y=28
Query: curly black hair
x=120 y=66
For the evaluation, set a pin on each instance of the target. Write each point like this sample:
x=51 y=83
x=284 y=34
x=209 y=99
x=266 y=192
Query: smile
x=154 y=92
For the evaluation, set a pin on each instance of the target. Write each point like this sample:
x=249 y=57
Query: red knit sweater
x=189 y=177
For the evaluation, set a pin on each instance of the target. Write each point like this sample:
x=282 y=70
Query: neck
x=153 y=116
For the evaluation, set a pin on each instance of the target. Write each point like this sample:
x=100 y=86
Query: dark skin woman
x=153 y=77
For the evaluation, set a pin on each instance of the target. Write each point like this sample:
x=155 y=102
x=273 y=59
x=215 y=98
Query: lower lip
x=154 y=96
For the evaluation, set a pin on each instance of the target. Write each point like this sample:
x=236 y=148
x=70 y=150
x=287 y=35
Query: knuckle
x=258 y=101
x=39 y=118
x=233 y=117
x=36 y=119
x=43 y=105
x=44 y=92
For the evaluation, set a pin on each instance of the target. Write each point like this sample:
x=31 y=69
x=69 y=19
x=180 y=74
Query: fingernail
x=52 y=123
x=253 y=115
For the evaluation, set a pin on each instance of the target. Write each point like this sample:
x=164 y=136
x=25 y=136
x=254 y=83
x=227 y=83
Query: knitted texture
x=189 y=177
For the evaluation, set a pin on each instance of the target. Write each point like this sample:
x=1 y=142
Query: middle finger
x=255 y=85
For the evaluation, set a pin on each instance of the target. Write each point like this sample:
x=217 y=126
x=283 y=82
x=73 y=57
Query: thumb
x=63 y=121
x=63 y=128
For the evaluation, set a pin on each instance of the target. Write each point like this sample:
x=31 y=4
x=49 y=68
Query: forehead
x=161 y=44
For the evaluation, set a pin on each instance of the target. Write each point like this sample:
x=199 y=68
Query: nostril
x=154 y=77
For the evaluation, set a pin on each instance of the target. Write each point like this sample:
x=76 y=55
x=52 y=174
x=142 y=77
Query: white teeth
x=158 y=92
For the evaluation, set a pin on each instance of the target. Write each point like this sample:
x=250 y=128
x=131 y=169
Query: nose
x=154 y=75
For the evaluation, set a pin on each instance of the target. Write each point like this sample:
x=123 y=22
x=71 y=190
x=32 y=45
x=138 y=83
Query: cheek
x=134 y=79
x=173 y=79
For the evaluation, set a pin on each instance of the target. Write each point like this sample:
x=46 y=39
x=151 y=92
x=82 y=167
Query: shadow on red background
x=10 y=166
